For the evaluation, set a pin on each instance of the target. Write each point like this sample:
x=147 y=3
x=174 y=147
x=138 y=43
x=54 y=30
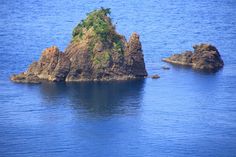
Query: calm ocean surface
x=184 y=113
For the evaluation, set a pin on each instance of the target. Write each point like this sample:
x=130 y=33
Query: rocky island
x=205 y=57
x=96 y=53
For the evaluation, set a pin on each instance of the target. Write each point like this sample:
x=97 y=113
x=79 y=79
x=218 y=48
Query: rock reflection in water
x=100 y=98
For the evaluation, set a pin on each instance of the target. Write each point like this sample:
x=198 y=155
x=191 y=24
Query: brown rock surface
x=94 y=54
x=205 y=57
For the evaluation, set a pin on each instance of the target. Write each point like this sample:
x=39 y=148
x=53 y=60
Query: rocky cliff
x=205 y=57
x=96 y=53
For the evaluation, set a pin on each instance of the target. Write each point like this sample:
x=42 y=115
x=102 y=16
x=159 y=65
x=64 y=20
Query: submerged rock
x=165 y=68
x=155 y=76
x=97 y=52
x=205 y=57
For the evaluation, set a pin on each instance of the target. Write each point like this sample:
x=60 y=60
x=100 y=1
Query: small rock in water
x=204 y=57
x=165 y=68
x=155 y=76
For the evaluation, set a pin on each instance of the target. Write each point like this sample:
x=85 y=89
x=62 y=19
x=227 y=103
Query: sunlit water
x=184 y=113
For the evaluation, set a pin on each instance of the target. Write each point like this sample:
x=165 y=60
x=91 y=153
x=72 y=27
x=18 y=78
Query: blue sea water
x=184 y=113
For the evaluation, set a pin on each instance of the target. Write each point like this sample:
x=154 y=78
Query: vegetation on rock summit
x=100 y=28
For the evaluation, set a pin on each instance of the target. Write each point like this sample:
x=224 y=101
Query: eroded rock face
x=205 y=57
x=53 y=65
x=134 y=60
x=92 y=55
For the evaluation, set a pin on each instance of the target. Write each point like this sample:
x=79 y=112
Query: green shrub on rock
x=98 y=20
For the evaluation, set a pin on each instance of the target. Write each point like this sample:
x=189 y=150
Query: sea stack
x=205 y=57
x=96 y=53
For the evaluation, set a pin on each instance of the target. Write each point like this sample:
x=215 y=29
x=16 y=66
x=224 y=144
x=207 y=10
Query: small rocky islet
x=205 y=57
x=98 y=53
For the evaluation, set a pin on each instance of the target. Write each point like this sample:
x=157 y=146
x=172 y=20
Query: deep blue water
x=184 y=113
